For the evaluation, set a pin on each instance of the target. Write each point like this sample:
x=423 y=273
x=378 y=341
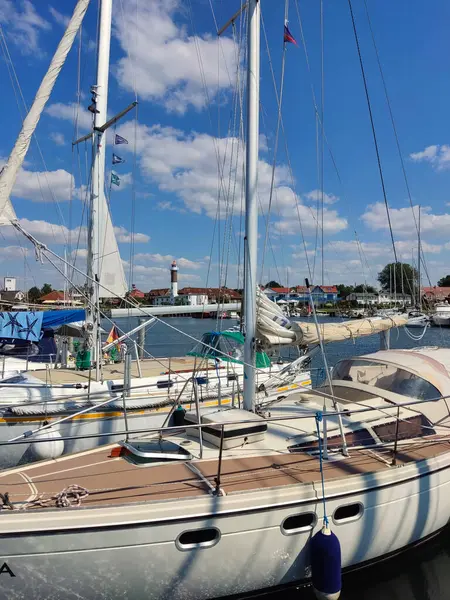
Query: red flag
x=288 y=37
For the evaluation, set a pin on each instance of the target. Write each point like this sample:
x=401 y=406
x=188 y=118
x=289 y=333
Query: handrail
x=169 y=429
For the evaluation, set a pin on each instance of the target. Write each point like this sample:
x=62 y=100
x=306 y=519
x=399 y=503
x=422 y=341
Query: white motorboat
x=418 y=319
x=441 y=316
x=164 y=514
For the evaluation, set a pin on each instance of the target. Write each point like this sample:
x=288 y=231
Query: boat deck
x=112 y=480
x=150 y=368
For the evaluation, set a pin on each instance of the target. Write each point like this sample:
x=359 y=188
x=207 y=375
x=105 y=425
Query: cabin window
x=14 y=379
x=386 y=377
x=298 y=523
x=349 y=512
x=198 y=538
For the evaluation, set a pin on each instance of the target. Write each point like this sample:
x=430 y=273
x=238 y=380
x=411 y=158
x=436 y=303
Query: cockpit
x=385 y=376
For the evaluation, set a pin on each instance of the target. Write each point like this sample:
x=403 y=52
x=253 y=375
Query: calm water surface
x=422 y=573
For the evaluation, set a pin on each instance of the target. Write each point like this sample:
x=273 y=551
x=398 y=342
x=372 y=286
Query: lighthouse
x=173 y=280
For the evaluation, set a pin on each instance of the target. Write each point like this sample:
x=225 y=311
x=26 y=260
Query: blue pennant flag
x=117 y=160
x=115 y=179
x=120 y=140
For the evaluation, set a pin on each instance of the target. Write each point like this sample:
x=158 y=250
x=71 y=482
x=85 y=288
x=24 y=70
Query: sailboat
x=35 y=397
x=228 y=500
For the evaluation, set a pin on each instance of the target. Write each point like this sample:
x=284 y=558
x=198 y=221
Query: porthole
x=349 y=512
x=298 y=523
x=198 y=538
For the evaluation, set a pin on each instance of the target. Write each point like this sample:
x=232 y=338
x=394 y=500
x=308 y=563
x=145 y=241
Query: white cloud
x=58 y=138
x=166 y=205
x=71 y=112
x=79 y=253
x=437 y=155
x=50 y=233
x=23 y=25
x=316 y=195
x=183 y=263
x=403 y=221
x=149 y=277
x=166 y=64
x=59 y=17
x=46 y=232
x=63 y=20
x=186 y=165
x=44 y=186
x=8 y=253
x=124 y=236
x=378 y=249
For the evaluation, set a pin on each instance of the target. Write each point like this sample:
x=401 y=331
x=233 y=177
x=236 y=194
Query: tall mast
x=419 y=295
x=98 y=177
x=251 y=207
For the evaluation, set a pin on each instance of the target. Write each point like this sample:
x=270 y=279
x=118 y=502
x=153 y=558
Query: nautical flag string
x=115 y=179
x=116 y=160
x=288 y=37
x=120 y=140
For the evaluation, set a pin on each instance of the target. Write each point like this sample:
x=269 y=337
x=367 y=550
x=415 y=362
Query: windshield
x=385 y=377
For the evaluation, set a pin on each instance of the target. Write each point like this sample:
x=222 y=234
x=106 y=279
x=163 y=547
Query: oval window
x=198 y=538
x=298 y=523
x=349 y=512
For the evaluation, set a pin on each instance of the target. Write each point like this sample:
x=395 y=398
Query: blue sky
x=166 y=53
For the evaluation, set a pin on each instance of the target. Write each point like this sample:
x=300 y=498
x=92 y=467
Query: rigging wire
x=291 y=174
x=394 y=128
x=275 y=148
x=369 y=106
x=322 y=166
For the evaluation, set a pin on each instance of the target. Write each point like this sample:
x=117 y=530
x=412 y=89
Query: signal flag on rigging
x=120 y=140
x=288 y=37
x=116 y=160
x=115 y=179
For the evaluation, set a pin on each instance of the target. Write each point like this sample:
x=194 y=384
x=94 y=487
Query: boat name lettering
x=5 y=569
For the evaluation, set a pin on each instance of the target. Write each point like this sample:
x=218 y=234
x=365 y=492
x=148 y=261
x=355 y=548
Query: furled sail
x=274 y=328
x=15 y=161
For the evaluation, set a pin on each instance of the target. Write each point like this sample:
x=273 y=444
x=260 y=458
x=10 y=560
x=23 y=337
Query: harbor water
x=420 y=573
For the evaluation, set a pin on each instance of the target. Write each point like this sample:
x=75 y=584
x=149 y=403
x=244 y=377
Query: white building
x=9 y=284
x=381 y=298
x=363 y=299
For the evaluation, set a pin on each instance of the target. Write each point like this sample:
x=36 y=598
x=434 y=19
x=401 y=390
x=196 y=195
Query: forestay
x=274 y=328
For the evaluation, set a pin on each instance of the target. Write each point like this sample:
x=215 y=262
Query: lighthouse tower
x=173 y=280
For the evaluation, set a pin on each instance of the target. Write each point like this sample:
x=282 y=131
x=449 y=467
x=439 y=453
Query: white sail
x=112 y=276
x=274 y=328
x=15 y=161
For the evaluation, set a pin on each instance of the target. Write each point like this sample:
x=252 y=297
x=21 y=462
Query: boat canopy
x=28 y=325
x=275 y=329
x=226 y=346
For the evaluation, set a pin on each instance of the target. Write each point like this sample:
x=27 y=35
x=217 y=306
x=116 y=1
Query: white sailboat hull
x=418 y=322
x=142 y=409
x=132 y=552
x=441 y=320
